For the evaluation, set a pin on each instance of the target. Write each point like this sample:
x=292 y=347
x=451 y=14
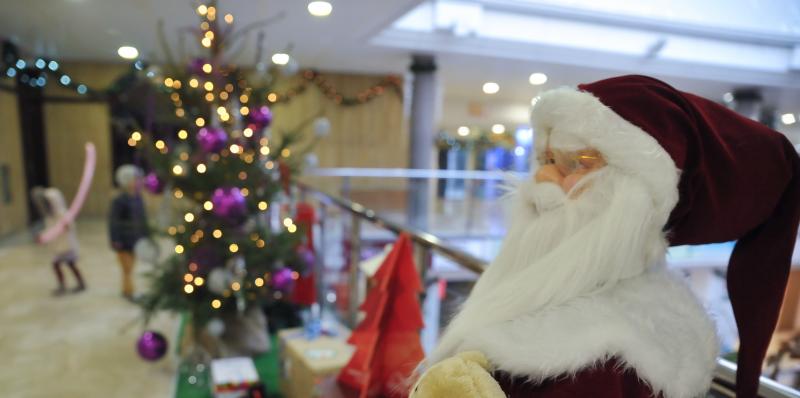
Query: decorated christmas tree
x=237 y=246
x=387 y=340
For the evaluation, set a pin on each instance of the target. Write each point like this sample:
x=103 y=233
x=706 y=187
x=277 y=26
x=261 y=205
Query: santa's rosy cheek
x=570 y=181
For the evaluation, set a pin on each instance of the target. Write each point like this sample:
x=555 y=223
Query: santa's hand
x=464 y=375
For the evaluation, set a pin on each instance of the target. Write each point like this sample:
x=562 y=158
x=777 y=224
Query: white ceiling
x=358 y=37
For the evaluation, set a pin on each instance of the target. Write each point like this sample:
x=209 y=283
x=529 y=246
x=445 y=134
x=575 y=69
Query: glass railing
x=460 y=233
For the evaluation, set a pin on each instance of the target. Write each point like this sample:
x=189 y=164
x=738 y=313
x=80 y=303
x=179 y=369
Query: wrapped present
x=235 y=378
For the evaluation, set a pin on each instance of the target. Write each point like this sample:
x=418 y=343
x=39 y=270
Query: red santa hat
x=715 y=175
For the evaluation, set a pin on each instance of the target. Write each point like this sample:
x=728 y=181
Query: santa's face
x=567 y=168
x=578 y=226
x=560 y=175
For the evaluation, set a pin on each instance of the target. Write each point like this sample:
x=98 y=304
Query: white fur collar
x=651 y=322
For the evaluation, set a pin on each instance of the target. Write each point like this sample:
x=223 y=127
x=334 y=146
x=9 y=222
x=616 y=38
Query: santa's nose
x=549 y=173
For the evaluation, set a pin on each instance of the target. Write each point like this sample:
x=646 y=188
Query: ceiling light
x=280 y=58
x=491 y=87
x=727 y=97
x=537 y=78
x=128 y=52
x=463 y=131
x=788 y=118
x=498 y=129
x=320 y=8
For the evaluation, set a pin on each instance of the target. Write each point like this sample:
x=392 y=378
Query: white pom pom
x=322 y=126
x=215 y=327
x=146 y=251
x=312 y=161
x=219 y=279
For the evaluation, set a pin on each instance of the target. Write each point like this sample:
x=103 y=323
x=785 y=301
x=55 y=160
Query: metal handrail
x=425 y=239
x=411 y=173
x=724 y=380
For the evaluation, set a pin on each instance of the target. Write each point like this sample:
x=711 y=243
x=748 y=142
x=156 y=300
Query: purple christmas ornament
x=229 y=203
x=307 y=258
x=212 y=139
x=151 y=346
x=260 y=117
x=282 y=279
x=153 y=184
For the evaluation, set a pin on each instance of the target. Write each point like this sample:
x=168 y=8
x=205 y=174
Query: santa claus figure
x=579 y=301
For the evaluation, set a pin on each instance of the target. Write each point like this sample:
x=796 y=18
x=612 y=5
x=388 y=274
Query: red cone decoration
x=387 y=340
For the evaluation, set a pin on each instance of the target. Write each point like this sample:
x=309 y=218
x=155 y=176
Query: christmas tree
x=387 y=340
x=237 y=247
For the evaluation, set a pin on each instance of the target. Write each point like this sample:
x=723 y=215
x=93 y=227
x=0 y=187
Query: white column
x=422 y=131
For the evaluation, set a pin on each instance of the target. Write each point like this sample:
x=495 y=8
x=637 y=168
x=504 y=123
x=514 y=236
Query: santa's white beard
x=559 y=247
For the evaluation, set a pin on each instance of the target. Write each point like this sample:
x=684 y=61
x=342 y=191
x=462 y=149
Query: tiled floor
x=78 y=345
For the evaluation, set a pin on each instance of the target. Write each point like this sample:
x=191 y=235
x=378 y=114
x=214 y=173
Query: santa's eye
x=547 y=158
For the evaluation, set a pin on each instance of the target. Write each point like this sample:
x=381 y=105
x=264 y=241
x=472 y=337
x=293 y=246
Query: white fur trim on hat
x=576 y=119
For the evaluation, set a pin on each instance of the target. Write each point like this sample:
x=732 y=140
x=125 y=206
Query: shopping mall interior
x=262 y=198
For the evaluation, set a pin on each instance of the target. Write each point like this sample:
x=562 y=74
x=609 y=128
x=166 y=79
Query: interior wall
x=14 y=214
x=368 y=135
x=68 y=127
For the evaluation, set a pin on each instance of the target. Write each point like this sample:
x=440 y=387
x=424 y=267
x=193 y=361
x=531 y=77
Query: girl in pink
x=52 y=206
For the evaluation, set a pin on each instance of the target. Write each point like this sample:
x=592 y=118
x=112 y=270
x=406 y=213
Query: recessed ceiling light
x=280 y=58
x=463 y=131
x=534 y=100
x=320 y=8
x=537 y=78
x=788 y=118
x=498 y=129
x=128 y=52
x=491 y=87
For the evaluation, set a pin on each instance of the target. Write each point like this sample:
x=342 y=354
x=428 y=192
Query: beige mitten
x=464 y=375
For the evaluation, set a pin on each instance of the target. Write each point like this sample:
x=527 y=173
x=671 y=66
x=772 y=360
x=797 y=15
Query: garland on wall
x=38 y=72
x=387 y=84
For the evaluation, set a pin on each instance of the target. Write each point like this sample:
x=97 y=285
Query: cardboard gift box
x=307 y=364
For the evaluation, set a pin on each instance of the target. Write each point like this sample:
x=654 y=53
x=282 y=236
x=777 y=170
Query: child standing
x=127 y=223
x=52 y=206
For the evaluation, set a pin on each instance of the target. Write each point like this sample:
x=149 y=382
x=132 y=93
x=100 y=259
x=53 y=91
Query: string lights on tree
x=228 y=172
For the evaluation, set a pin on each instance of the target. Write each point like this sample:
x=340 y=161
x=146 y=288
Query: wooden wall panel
x=13 y=215
x=369 y=135
x=68 y=126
